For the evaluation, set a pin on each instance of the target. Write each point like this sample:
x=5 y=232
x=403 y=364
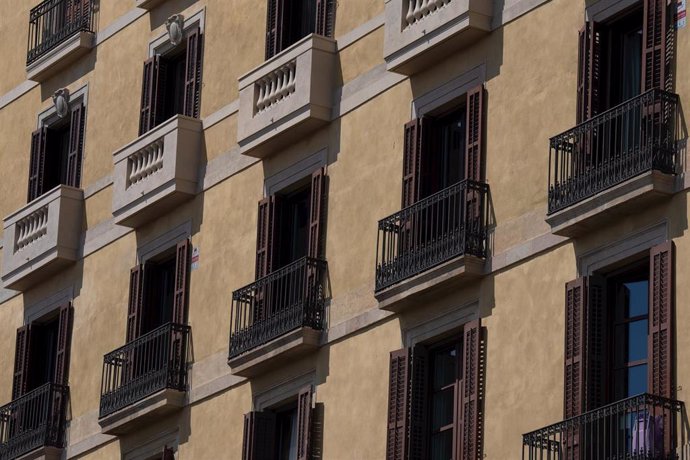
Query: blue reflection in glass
x=638 y=298
x=637 y=380
x=637 y=340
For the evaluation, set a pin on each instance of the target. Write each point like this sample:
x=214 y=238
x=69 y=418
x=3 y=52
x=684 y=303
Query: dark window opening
x=44 y=342
x=57 y=147
x=446 y=373
x=622 y=52
x=286 y=432
x=173 y=66
x=159 y=292
x=293 y=225
x=299 y=20
x=445 y=166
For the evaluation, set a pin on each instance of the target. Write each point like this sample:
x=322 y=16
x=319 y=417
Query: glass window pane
x=442 y=445
x=444 y=368
x=637 y=380
x=637 y=340
x=638 y=298
x=442 y=408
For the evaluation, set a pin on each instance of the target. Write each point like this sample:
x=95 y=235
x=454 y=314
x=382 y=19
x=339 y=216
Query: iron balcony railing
x=54 y=21
x=632 y=138
x=640 y=427
x=153 y=362
x=446 y=225
x=34 y=420
x=285 y=300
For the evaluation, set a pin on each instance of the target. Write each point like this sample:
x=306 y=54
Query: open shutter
x=418 y=400
x=259 y=436
x=192 y=81
x=396 y=439
x=168 y=453
x=22 y=353
x=413 y=153
x=575 y=333
x=325 y=15
x=63 y=344
x=589 y=71
x=475 y=120
x=136 y=301
x=152 y=87
x=265 y=234
x=655 y=45
x=76 y=146
x=660 y=346
x=304 y=416
x=471 y=392
x=316 y=213
x=181 y=278
x=595 y=365
x=274 y=26
x=37 y=163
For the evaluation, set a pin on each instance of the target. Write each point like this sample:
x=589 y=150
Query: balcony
x=42 y=237
x=420 y=33
x=147 y=4
x=60 y=31
x=34 y=422
x=287 y=96
x=157 y=171
x=145 y=379
x=435 y=243
x=640 y=427
x=278 y=316
x=614 y=163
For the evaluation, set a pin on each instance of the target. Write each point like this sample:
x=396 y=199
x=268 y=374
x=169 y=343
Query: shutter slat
x=574 y=360
x=596 y=339
x=274 y=27
x=37 y=163
x=192 y=84
x=22 y=356
x=325 y=17
x=258 y=442
x=64 y=339
x=265 y=236
x=135 y=305
x=396 y=439
x=152 y=89
x=316 y=213
x=474 y=135
x=472 y=391
x=413 y=152
x=304 y=417
x=76 y=146
x=656 y=35
x=181 y=280
x=418 y=400
x=660 y=345
x=589 y=71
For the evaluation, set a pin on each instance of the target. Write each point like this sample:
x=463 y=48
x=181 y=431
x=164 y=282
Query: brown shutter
x=192 y=81
x=274 y=28
x=37 y=163
x=396 y=440
x=22 y=356
x=152 y=87
x=316 y=213
x=181 y=279
x=595 y=364
x=414 y=150
x=475 y=120
x=418 y=400
x=63 y=344
x=265 y=234
x=136 y=300
x=304 y=415
x=660 y=346
x=168 y=453
x=575 y=333
x=259 y=436
x=471 y=392
x=76 y=146
x=325 y=15
x=589 y=71
x=655 y=45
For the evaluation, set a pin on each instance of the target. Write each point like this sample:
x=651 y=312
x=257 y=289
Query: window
x=159 y=290
x=286 y=432
x=288 y=21
x=622 y=46
x=444 y=379
x=294 y=224
x=446 y=160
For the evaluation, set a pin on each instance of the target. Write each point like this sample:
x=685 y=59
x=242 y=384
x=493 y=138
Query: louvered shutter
x=76 y=146
x=471 y=392
x=589 y=71
x=396 y=439
x=22 y=355
x=660 y=346
x=192 y=82
x=316 y=212
x=594 y=364
x=63 y=344
x=152 y=90
x=136 y=302
x=304 y=417
x=168 y=453
x=274 y=27
x=413 y=152
x=181 y=279
x=656 y=40
x=37 y=163
x=474 y=134
x=259 y=436
x=574 y=369
x=325 y=17
x=265 y=235
x=418 y=400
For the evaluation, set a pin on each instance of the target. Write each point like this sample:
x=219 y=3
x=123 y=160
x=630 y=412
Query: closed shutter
x=274 y=27
x=471 y=410
x=325 y=17
x=181 y=279
x=76 y=146
x=37 y=163
x=589 y=71
x=418 y=400
x=304 y=417
x=660 y=346
x=574 y=372
x=152 y=90
x=596 y=369
x=192 y=81
x=413 y=153
x=22 y=356
x=258 y=442
x=316 y=213
x=63 y=344
x=168 y=453
x=136 y=302
x=396 y=439
x=265 y=235
x=657 y=36
x=77 y=11
x=474 y=134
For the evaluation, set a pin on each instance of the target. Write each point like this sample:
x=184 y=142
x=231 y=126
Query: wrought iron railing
x=289 y=298
x=153 y=362
x=53 y=21
x=640 y=427
x=632 y=138
x=443 y=226
x=34 y=420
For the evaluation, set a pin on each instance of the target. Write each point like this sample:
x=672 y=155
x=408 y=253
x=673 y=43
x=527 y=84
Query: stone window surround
x=442 y=325
x=48 y=305
x=294 y=173
x=153 y=447
x=448 y=94
x=284 y=391
x=606 y=9
x=49 y=115
x=161 y=44
x=163 y=242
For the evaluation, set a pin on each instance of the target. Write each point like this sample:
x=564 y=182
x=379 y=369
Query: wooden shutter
x=181 y=280
x=660 y=345
x=274 y=27
x=37 y=163
x=192 y=81
x=168 y=453
x=22 y=355
x=414 y=151
x=316 y=213
x=575 y=333
x=470 y=413
x=304 y=416
x=417 y=443
x=589 y=71
x=265 y=234
x=396 y=440
x=474 y=134
x=259 y=436
x=136 y=301
x=64 y=339
x=656 y=35
x=325 y=17
x=76 y=146
x=152 y=89
x=595 y=363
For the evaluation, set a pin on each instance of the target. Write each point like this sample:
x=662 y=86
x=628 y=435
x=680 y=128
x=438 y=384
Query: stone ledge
x=147 y=4
x=142 y=412
x=43 y=453
x=58 y=58
x=612 y=203
x=439 y=279
x=260 y=359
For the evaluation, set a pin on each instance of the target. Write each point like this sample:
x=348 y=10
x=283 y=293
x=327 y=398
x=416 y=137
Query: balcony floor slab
x=58 y=58
x=147 y=410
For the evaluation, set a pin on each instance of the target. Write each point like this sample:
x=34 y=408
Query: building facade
x=363 y=229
